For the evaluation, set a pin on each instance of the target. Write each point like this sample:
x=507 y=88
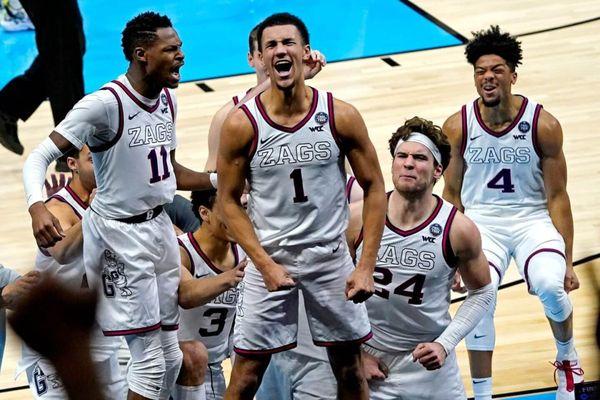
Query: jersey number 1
x=299 y=196
x=503 y=181
x=156 y=177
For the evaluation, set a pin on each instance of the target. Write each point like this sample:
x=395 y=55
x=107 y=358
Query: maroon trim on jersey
x=169 y=327
x=171 y=106
x=192 y=265
x=235 y=100
x=419 y=227
x=447 y=250
x=505 y=130
x=76 y=197
x=250 y=353
x=496 y=269
x=311 y=111
x=254 y=143
x=534 y=131
x=58 y=197
x=136 y=100
x=132 y=331
x=343 y=342
x=207 y=260
x=542 y=250
x=349 y=184
x=332 y=127
x=465 y=130
x=111 y=143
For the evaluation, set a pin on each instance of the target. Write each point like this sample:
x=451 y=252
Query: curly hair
x=427 y=128
x=206 y=198
x=493 y=41
x=282 y=19
x=141 y=31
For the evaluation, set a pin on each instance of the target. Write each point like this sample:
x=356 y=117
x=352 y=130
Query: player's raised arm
x=363 y=159
x=453 y=174
x=232 y=163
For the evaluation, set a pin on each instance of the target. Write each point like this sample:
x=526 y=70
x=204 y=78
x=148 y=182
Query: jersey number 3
x=503 y=181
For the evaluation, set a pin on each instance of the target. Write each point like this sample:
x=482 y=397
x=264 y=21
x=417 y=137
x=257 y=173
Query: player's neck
x=217 y=250
x=292 y=101
x=78 y=188
x=408 y=211
x=141 y=84
x=501 y=115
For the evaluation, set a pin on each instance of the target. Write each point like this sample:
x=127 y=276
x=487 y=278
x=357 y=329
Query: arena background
x=392 y=60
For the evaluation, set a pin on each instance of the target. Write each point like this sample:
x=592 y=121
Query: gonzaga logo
x=321 y=118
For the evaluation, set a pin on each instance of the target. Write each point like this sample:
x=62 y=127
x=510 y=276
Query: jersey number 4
x=415 y=296
x=156 y=177
x=503 y=181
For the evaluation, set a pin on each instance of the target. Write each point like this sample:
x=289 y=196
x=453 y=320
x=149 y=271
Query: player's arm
x=481 y=296
x=354 y=226
x=554 y=170
x=71 y=245
x=232 y=164
x=453 y=175
x=188 y=179
x=214 y=135
x=197 y=292
x=363 y=160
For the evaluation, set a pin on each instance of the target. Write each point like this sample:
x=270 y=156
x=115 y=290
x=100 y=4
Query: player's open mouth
x=175 y=72
x=283 y=68
x=488 y=89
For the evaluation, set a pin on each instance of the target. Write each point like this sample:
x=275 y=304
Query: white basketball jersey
x=502 y=170
x=413 y=276
x=133 y=170
x=211 y=323
x=297 y=178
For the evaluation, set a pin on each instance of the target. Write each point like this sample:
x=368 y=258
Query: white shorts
x=45 y=383
x=214 y=381
x=136 y=270
x=267 y=322
x=295 y=376
x=520 y=239
x=408 y=380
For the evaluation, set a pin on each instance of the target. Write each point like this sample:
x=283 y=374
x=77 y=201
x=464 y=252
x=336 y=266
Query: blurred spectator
x=13 y=17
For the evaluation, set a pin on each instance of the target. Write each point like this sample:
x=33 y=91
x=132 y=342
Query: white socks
x=482 y=388
x=566 y=350
x=189 y=392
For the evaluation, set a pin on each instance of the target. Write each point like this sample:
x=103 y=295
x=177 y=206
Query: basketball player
x=423 y=241
x=130 y=249
x=213 y=267
x=508 y=173
x=290 y=145
x=64 y=262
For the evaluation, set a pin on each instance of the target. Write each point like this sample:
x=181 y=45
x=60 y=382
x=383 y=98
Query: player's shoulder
x=549 y=133
x=61 y=210
x=452 y=127
x=239 y=120
x=464 y=234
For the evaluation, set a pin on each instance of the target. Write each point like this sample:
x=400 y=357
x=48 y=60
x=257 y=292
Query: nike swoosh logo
x=479 y=337
x=337 y=248
x=265 y=140
x=133 y=116
x=200 y=276
x=474 y=137
x=476 y=382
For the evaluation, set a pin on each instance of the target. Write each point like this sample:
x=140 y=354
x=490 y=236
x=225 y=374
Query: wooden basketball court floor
x=560 y=70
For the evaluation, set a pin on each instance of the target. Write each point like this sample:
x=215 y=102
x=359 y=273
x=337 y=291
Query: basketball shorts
x=214 y=381
x=267 y=322
x=408 y=380
x=520 y=239
x=135 y=268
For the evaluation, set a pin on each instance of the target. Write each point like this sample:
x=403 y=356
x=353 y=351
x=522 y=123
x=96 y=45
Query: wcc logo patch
x=524 y=126
x=321 y=118
x=435 y=229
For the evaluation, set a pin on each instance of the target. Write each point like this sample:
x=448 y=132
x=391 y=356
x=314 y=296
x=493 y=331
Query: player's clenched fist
x=430 y=355
x=360 y=285
x=373 y=367
x=277 y=278
x=236 y=275
x=46 y=228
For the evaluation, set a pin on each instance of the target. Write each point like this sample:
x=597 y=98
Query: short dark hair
x=282 y=19
x=252 y=37
x=493 y=41
x=427 y=128
x=141 y=31
x=73 y=152
x=206 y=198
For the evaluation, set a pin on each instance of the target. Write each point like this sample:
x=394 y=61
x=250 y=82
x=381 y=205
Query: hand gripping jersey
x=413 y=276
x=502 y=170
x=131 y=138
x=297 y=178
x=211 y=323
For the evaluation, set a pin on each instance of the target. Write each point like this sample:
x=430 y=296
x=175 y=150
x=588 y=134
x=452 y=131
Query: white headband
x=418 y=137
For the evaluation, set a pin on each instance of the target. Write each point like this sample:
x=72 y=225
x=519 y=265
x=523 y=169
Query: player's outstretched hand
x=16 y=291
x=457 y=284
x=56 y=184
x=359 y=285
x=235 y=276
x=46 y=228
x=373 y=367
x=571 y=280
x=313 y=64
x=277 y=278
x=430 y=355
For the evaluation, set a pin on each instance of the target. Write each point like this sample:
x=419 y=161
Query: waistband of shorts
x=143 y=217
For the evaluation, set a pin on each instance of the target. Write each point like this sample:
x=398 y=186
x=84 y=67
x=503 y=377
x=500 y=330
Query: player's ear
x=204 y=212
x=437 y=172
x=139 y=54
x=306 y=51
x=72 y=163
x=513 y=79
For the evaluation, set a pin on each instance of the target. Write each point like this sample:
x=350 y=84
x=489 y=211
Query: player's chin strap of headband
x=418 y=137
